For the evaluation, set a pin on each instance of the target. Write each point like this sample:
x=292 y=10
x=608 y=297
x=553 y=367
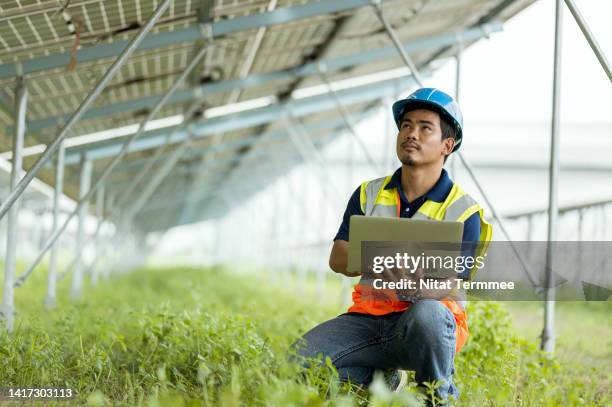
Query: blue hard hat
x=436 y=100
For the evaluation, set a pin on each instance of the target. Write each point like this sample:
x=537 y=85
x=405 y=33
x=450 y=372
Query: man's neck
x=417 y=181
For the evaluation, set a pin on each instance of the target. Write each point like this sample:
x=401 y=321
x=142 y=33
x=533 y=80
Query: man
x=407 y=331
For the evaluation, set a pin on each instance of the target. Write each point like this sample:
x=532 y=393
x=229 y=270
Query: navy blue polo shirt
x=438 y=193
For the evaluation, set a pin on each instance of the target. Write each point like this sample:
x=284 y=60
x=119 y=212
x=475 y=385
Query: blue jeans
x=421 y=339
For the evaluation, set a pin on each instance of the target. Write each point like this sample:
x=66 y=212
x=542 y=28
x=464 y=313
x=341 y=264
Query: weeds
x=197 y=337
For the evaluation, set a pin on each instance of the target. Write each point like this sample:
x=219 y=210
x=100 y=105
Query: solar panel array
x=35 y=31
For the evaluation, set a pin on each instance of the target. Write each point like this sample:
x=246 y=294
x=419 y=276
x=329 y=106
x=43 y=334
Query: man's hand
x=338 y=259
x=399 y=274
x=439 y=286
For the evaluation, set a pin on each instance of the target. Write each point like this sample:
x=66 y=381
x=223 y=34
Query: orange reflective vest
x=458 y=206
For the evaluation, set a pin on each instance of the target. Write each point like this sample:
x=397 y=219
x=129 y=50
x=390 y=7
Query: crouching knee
x=429 y=318
x=302 y=352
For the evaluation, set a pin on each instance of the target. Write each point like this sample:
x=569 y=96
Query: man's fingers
x=388 y=275
x=394 y=274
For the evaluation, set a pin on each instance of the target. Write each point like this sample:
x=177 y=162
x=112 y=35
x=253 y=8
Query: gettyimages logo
x=497 y=271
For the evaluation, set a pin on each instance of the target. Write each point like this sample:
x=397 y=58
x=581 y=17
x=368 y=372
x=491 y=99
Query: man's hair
x=448 y=130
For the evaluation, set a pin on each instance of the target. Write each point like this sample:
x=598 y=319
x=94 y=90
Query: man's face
x=419 y=140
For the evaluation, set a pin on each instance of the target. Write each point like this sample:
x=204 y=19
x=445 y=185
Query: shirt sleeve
x=471 y=228
x=352 y=208
x=471 y=237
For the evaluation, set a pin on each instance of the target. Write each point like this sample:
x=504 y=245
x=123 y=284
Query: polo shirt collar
x=437 y=193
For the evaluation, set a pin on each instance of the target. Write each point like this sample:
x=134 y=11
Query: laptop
x=386 y=231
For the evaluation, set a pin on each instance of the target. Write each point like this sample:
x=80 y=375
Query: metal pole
x=159 y=177
x=77 y=255
x=115 y=160
x=108 y=241
x=50 y=300
x=116 y=246
x=307 y=150
x=96 y=237
x=146 y=170
x=288 y=257
x=497 y=217
x=458 y=60
x=400 y=49
x=390 y=136
x=110 y=73
x=12 y=229
x=298 y=230
x=84 y=187
x=590 y=38
x=320 y=275
x=347 y=122
x=276 y=229
x=216 y=247
x=548 y=333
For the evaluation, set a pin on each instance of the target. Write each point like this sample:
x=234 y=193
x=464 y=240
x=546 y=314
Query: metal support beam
x=188 y=214
x=93 y=270
x=564 y=209
x=258 y=178
x=267 y=157
x=332 y=65
x=247 y=61
x=347 y=122
x=486 y=165
x=52 y=148
x=201 y=186
x=199 y=153
x=254 y=117
x=601 y=57
x=113 y=212
x=111 y=165
x=498 y=218
x=12 y=229
x=84 y=188
x=548 y=331
x=158 y=178
x=190 y=34
x=395 y=39
x=458 y=60
x=151 y=161
x=390 y=135
x=50 y=300
x=309 y=152
x=77 y=255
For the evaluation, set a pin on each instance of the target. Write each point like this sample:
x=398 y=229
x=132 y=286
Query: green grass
x=161 y=337
x=583 y=329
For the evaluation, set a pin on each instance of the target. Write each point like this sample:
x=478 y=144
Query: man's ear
x=449 y=144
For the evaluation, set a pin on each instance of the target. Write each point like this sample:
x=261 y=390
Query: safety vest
x=458 y=206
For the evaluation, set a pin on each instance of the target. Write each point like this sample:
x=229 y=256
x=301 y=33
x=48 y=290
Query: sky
x=509 y=77
x=507 y=104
